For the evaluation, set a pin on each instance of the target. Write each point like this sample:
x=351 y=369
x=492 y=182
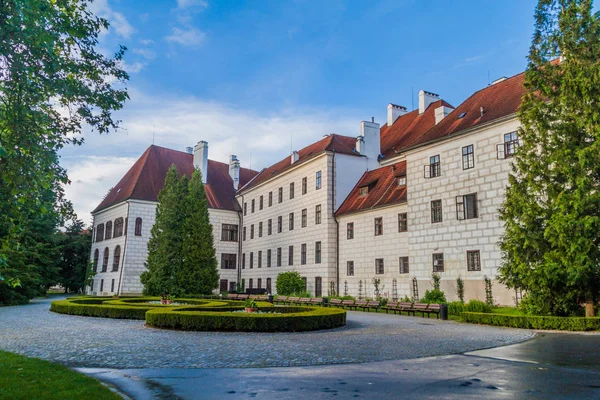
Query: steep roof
x=146 y=177
x=408 y=127
x=333 y=142
x=384 y=189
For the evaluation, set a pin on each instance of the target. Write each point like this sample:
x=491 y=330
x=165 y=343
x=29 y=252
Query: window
x=243 y=260
x=269 y=285
x=404 y=269
x=105 y=260
x=402 y=180
x=291 y=222
x=118 y=229
x=466 y=206
x=317 y=214
x=260 y=259
x=96 y=256
x=304 y=218
x=280 y=195
x=108 y=233
x=259 y=283
x=433 y=169
x=260 y=203
x=279 y=224
x=100 y=233
x=379 y=266
x=251 y=231
x=318 y=180
x=303 y=254
x=291 y=190
x=304 y=185
x=378 y=226
x=223 y=285
x=229 y=233
x=438 y=262
x=270 y=199
x=279 y=256
x=364 y=191
x=350 y=230
x=116 y=259
x=232 y=287
x=260 y=230
x=291 y=255
x=228 y=261
x=436 y=211
x=244 y=234
x=269 y=258
x=245 y=208
x=468 y=157
x=126 y=226
x=101 y=285
x=402 y=222
x=250 y=283
x=138 y=226
x=473 y=260
x=510 y=145
x=304 y=282
x=252 y=207
x=251 y=260
x=317 y=252
x=269 y=226
x=112 y=285
x=350 y=268
x=318 y=286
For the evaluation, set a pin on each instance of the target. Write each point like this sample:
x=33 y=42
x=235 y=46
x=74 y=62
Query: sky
x=260 y=78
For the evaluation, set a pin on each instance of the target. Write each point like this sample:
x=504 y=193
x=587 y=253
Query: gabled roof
x=384 y=189
x=498 y=100
x=333 y=142
x=146 y=177
x=408 y=127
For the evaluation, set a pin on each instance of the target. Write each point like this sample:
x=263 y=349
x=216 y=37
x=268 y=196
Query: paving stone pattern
x=32 y=330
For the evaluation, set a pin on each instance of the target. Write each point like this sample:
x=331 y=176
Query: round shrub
x=288 y=283
x=477 y=306
x=455 y=307
x=435 y=296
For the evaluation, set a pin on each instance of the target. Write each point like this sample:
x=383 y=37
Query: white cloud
x=117 y=21
x=146 y=42
x=192 y=3
x=132 y=68
x=186 y=37
x=146 y=53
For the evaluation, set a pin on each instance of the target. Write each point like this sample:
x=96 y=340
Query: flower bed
x=533 y=322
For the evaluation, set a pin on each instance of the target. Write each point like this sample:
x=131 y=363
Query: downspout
x=337 y=229
x=93 y=241
x=120 y=287
x=240 y=237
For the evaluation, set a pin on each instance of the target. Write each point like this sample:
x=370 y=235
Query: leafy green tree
x=551 y=247
x=199 y=273
x=289 y=283
x=75 y=244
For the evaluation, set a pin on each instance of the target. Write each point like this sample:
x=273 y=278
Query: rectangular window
x=112 y=286
x=303 y=254
x=228 y=261
x=436 y=211
x=379 y=270
x=260 y=230
x=279 y=256
x=250 y=283
x=378 y=226
x=317 y=252
x=269 y=258
x=222 y=285
x=269 y=226
x=229 y=233
x=252 y=207
x=404 y=269
x=291 y=222
x=318 y=180
x=363 y=191
x=251 y=260
x=268 y=285
x=433 y=169
x=245 y=208
x=270 y=199
x=279 y=224
x=259 y=283
x=280 y=195
x=318 y=286
x=350 y=230
x=511 y=144
x=101 y=285
x=244 y=234
x=232 y=287
x=291 y=255
x=468 y=157
x=304 y=185
x=438 y=262
x=350 y=268
x=304 y=218
x=260 y=203
x=291 y=190
x=466 y=206
x=260 y=259
x=243 y=260
x=473 y=260
x=317 y=214
x=402 y=222
x=252 y=231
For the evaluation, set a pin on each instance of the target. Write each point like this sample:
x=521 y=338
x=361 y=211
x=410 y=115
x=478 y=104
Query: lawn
x=30 y=378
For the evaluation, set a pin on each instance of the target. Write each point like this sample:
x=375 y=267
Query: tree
x=75 y=244
x=289 y=283
x=551 y=214
x=199 y=273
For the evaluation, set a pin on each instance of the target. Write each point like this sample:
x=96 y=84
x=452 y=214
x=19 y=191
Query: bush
x=477 y=307
x=289 y=283
x=534 y=322
x=302 y=293
x=455 y=308
x=435 y=296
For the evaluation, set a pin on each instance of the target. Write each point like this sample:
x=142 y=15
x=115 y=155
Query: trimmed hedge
x=533 y=322
x=289 y=319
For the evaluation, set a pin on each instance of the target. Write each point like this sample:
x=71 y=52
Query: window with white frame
x=468 y=157
x=466 y=206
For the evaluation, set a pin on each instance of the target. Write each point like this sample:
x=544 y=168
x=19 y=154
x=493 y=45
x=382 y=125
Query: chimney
x=189 y=150
x=201 y=158
x=369 y=143
x=425 y=99
x=502 y=78
x=294 y=157
x=441 y=112
x=394 y=111
x=234 y=171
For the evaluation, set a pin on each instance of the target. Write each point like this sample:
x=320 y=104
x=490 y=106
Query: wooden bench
x=280 y=299
x=317 y=301
x=360 y=304
x=232 y=296
x=335 y=303
x=293 y=300
x=263 y=298
x=433 y=309
x=348 y=303
x=242 y=296
x=406 y=306
x=372 y=305
x=304 y=300
x=419 y=307
x=391 y=305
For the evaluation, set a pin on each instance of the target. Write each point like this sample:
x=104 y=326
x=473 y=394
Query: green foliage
x=289 y=283
x=477 y=306
x=533 y=322
x=75 y=245
x=434 y=296
x=377 y=287
x=551 y=215
x=249 y=303
x=436 y=278
x=456 y=307
x=302 y=293
x=342 y=297
x=489 y=297
x=460 y=289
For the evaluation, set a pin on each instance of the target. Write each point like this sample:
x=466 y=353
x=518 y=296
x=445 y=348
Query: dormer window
x=402 y=180
x=364 y=190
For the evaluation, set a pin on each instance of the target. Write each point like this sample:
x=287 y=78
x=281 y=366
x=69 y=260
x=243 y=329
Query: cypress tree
x=552 y=206
x=199 y=274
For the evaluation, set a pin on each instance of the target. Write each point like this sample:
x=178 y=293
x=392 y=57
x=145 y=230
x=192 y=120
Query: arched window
x=105 y=260
x=118 y=229
x=116 y=259
x=100 y=233
x=95 y=265
x=108 y=230
x=138 y=226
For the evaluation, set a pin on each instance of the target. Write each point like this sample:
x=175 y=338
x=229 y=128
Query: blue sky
x=252 y=76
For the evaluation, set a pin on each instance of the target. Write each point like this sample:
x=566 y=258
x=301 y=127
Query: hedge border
x=293 y=319
x=533 y=322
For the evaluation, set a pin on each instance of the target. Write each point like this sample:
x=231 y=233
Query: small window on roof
x=462 y=115
x=402 y=180
x=364 y=190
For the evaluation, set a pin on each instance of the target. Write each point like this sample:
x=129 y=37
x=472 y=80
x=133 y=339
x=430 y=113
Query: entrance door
x=223 y=286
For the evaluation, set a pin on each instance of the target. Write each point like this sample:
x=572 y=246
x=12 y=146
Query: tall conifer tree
x=552 y=206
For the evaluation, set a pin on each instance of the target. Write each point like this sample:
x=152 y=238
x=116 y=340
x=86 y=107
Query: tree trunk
x=589 y=306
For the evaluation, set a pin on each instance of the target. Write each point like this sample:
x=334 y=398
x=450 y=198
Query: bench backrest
x=316 y=300
x=436 y=307
x=232 y=296
x=335 y=301
x=360 y=303
x=253 y=297
x=373 y=303
x=293 y=298
x=420 y=306
x=282 y=298
x=263 y=297
x=348 y=302
x=405 y=304
x=305 y=300
x=242 y=296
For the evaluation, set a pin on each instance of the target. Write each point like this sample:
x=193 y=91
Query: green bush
x=435 y=296
x=341 y=297
x=302 y=293
x=533 y=322
x=289 y=319
x=455 y=307
x=99 y=310
x=477 y=306
x=289 y=283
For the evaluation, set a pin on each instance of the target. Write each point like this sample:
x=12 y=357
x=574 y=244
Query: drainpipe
x=337 y=229
x=92 y=248
x=120 y=286
x=240 y=238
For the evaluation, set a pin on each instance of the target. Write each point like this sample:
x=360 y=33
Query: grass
x=30 y=378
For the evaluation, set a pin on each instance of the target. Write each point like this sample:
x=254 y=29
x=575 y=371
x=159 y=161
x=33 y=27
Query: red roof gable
x=146 y=178
x=384 y=189
x=339 y=144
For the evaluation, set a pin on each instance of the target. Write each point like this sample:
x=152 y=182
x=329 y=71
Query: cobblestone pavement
x=33 y=330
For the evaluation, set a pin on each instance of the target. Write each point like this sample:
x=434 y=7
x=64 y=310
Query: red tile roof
x=146 y=177
x=408 y=127
x=385 y=189
x=339 y=144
